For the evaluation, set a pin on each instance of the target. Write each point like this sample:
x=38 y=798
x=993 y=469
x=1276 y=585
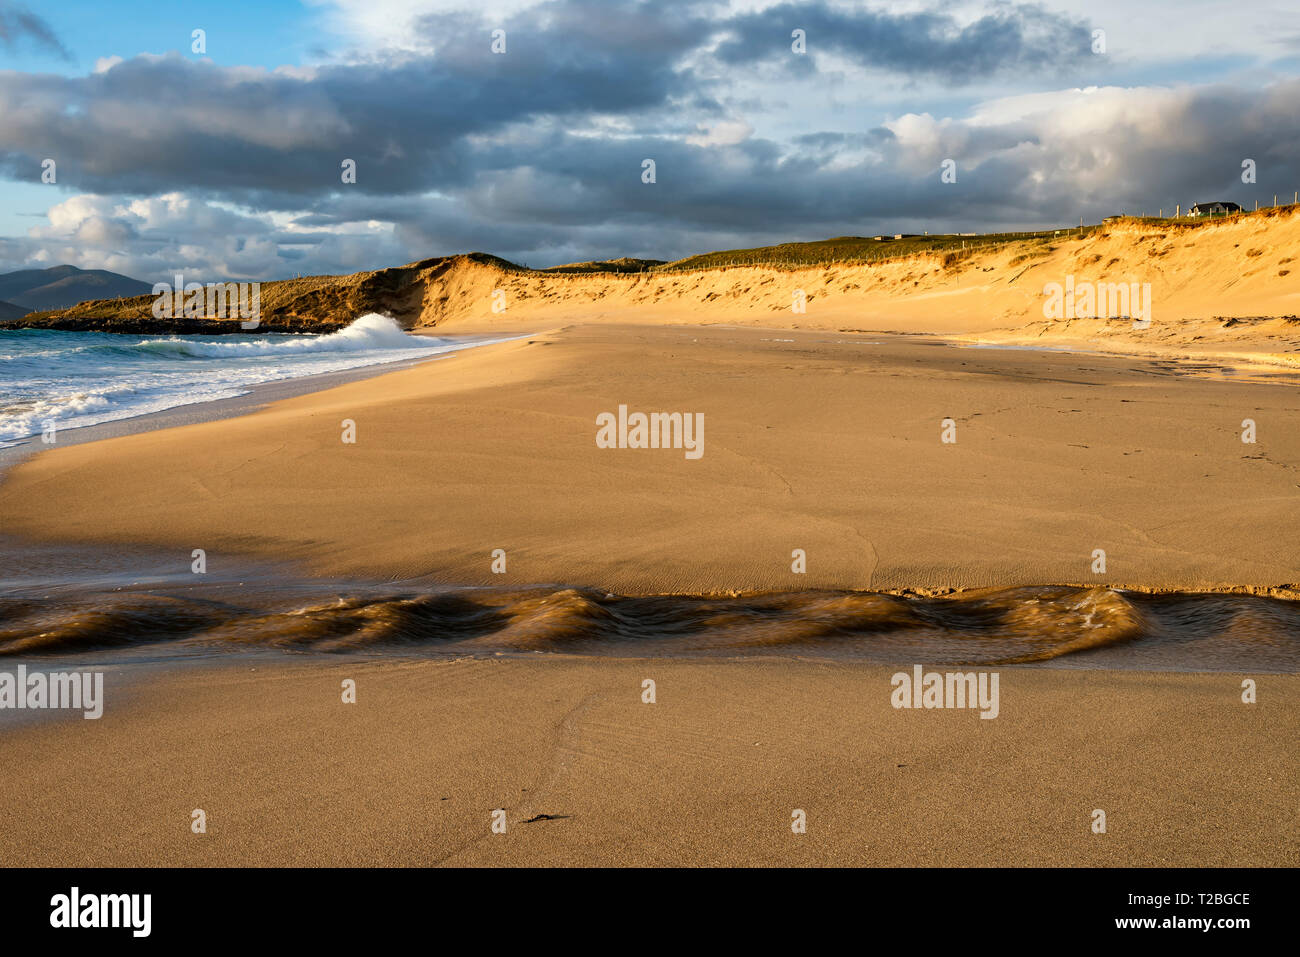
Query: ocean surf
x=53 y=380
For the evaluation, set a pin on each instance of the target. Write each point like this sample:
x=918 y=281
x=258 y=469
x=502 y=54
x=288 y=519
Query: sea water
x=75 y=379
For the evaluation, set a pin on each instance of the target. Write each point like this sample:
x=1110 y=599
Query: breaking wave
x=372 y=332
x=76 y=379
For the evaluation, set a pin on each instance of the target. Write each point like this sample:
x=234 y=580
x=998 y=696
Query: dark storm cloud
x=1011 y=37
x=1130 y=151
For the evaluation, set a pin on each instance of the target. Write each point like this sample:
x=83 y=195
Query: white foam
x=82 y=379
x=372 y=332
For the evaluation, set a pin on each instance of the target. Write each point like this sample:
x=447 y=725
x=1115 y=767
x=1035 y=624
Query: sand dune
x=1244 y=267
x=1201 y=274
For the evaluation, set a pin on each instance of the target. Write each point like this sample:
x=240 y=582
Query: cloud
x=157 y=123
x=548 y=195
x=174 y=163
x=1010 y=37
x=721 y=133
x=153 y=238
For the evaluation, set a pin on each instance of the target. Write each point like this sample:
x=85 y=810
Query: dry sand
x=824 y=442
x=709 y=774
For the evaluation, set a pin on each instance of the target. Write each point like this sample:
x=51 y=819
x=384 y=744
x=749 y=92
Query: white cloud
x=722 y=133
x=156 y=236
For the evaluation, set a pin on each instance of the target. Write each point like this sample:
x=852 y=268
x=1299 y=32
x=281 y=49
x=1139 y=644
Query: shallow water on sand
x=56 y=601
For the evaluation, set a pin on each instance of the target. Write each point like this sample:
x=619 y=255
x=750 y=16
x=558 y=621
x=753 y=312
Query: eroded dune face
x=1226 y=287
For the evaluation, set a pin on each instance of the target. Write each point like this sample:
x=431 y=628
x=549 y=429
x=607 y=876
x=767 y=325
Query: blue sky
x=250 y=32
x=227 y=165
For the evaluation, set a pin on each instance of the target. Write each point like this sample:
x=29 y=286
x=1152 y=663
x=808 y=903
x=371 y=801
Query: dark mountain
x=9 y=311
x=62 y=286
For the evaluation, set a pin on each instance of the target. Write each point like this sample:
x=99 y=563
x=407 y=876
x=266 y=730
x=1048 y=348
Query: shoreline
x=258 y=397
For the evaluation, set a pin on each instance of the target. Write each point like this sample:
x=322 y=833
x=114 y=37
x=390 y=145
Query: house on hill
x=1217 y=208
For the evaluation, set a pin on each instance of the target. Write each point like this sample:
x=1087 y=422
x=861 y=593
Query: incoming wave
x=371 y=332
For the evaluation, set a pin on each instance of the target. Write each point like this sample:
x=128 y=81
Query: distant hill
x=62 y=286
x=305 y=304
x=9 y=311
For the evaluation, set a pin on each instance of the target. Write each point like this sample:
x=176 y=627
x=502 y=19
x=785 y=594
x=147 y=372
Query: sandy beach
x=830 y=443
x=707 y=775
